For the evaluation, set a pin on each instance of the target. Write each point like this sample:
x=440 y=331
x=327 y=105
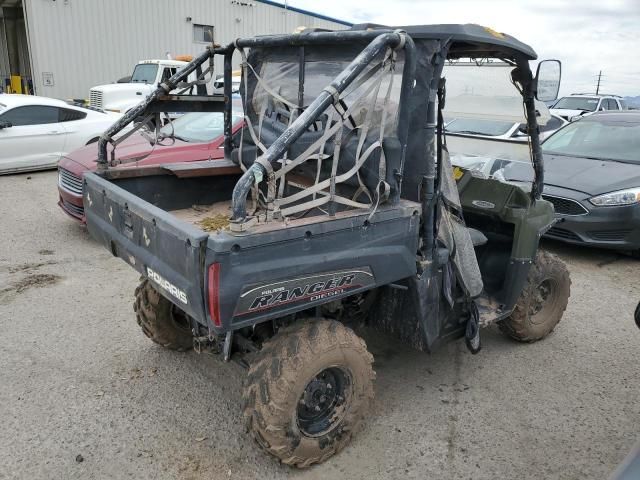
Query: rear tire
x=161 y=320
x=542 y=302
x=637 y=315
x=308 y=391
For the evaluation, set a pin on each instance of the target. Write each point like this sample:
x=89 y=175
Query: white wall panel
x=90 y=42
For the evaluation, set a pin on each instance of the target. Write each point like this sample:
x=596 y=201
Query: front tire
x=542 y=301
x=308 y=391
x=637 y=315
x=161 y=320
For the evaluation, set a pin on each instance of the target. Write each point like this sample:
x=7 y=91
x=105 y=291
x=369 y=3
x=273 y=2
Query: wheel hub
x=322 y=401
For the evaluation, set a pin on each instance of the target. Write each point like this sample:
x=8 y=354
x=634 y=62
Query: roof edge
x=305 y=12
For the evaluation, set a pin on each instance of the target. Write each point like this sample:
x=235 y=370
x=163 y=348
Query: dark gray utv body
x=128 y=216
x=342 y=206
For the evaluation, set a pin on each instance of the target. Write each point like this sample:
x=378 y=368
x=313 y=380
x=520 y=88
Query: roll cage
x=411 y=171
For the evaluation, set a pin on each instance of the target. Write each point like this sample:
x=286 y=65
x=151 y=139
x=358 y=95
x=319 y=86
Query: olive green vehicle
x=342 y=210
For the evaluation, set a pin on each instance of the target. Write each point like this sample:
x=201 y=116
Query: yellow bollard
x=16 y=84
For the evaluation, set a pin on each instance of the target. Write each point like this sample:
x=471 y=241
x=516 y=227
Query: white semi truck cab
x=147 y=74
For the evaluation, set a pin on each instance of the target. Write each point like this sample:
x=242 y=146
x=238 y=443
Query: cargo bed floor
x=197 y=214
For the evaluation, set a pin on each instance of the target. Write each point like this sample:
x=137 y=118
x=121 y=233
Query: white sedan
x=35 y=132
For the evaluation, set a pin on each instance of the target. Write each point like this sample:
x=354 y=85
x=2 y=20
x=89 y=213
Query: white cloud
x=588 y=36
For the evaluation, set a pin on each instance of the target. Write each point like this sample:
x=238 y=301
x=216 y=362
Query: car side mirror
x=5 y=124
x=547 y=81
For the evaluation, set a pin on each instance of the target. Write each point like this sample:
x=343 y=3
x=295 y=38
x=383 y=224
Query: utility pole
x=598 y=86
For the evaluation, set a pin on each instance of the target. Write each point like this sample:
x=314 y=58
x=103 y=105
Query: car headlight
x=622 y=197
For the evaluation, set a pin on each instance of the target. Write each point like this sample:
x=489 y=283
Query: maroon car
x=190 y=138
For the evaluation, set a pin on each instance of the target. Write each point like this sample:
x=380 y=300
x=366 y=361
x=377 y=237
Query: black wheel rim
x=180 y=319
x=324 y=401
x=543 y=301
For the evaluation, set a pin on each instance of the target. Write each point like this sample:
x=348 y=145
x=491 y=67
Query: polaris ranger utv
x=336 y=205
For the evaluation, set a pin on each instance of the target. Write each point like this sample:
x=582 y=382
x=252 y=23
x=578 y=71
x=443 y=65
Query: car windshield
x=492 y=128
x=145 y=73
x=198 y=127
x=577 y=103
x=600 y=139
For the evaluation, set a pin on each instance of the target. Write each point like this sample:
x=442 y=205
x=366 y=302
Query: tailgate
x=162 y=248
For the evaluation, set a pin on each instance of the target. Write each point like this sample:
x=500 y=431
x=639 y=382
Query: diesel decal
x=303 y=289
x=168 y=286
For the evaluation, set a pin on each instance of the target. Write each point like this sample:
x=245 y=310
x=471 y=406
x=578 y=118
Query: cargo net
x=339 y=162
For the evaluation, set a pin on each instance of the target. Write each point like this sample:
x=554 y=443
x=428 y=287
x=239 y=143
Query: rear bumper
x=606 y=227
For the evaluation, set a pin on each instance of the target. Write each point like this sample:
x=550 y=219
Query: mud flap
x=472 y=329
x=472 y=332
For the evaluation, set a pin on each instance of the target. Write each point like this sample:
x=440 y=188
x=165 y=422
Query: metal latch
x=127 y=223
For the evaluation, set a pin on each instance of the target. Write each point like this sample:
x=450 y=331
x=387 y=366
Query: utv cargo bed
x=152 y=222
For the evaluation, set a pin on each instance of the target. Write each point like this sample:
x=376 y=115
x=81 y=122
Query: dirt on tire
x=531 y=321
x=277 y=380
x=160 y=320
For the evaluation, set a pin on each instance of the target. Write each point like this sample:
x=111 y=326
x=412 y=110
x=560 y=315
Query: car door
x=34 y=139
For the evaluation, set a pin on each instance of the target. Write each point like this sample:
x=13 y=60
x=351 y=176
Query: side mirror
x=547 y=80
x=5 y=124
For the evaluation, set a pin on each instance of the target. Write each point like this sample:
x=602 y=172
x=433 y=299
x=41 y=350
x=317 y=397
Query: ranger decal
x=307 y=289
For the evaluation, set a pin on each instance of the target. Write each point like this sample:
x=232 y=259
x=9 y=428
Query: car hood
x=85 y=158
x=586 y=175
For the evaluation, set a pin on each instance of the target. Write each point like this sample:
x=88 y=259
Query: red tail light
x=214 y=293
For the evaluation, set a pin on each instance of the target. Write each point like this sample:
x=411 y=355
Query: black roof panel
x=472 y=34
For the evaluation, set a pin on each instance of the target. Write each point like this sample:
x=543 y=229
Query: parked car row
x=592 y=166
x=591 y=175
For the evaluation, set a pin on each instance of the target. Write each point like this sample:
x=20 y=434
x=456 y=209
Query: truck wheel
x=161 y=320
x=308 y=391
x=542 y=302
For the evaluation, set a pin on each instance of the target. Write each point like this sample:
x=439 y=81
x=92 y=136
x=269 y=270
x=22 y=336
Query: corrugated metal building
x=77 y=44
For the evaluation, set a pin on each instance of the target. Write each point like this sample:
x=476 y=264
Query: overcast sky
x=587 y=35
